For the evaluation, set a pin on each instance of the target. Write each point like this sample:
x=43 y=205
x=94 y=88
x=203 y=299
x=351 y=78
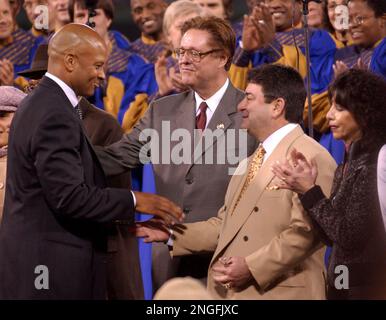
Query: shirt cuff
x=311 y=197
x=170 y=241
x=134 y=199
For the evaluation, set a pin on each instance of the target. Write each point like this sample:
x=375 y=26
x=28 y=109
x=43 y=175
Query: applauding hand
x=298 y=177
x=6 y=73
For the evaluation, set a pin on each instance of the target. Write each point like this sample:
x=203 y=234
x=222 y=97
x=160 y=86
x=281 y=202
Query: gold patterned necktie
x=254 y=166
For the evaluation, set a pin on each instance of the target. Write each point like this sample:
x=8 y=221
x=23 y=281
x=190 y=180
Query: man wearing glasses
x=204 y=56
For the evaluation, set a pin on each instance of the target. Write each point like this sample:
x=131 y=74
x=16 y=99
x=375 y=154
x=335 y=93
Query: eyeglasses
x=358 y=20
x=194 y=55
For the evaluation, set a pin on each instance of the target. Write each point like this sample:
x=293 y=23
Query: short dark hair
x=279 y=81
x=378 y=6
x=363 y=94
x=106 y=5
x=221 y=33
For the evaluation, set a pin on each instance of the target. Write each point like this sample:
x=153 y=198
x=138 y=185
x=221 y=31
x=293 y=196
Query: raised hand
x=167 y=80
x=339 y=67
x=298 y=177
x=158 y=206
x=176 y=79
x=361 y=65
x=250 y=36
x=262 y=20
x=258 y=30
x=165 y=85
x=6 y=72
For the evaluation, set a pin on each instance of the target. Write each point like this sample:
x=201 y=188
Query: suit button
x=189 y=181
x=255 y=209
x=225 y=208
x=186 y=210
x=245 y=238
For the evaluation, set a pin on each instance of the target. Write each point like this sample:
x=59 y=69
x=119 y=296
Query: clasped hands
x=231 y=272
x=258 y=28
x=168 y=80
x=298 y=174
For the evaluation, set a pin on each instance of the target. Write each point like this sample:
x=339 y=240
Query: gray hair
x=179 y=9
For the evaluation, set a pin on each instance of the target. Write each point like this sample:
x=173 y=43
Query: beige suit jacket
x=269 y=227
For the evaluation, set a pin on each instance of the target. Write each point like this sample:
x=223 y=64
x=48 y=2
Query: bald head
x=73 y=37
x=76 y=51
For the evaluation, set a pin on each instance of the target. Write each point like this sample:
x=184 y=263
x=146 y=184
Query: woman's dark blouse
x=351 y=220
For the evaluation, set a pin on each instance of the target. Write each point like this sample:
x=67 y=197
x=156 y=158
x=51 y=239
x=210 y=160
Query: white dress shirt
x=212 y=102
x=274 y=139
x=381 y=179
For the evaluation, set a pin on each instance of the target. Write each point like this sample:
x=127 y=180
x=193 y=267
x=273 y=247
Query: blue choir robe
x=147 y=48
x=20 y=50
x=121 y=41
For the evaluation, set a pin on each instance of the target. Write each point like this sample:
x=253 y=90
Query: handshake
x=166 y=213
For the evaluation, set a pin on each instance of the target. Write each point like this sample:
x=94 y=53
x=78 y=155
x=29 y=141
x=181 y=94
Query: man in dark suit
x=124 y=279
x=57 y=210
x=206 y=51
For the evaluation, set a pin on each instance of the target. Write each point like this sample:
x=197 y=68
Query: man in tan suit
x=264 y=244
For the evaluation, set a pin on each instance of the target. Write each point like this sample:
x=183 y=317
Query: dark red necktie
x=201 y=118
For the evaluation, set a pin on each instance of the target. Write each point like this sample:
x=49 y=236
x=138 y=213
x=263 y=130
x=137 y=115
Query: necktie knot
x=203 y=106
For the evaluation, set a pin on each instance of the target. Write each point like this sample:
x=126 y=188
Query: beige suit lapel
x=233 y=222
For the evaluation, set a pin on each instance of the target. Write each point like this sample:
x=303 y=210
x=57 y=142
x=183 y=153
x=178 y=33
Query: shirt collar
x=214 y=100
x=274 y=139
x=70 y=94
x=147 y=40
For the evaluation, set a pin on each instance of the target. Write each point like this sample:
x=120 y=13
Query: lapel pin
x=220 y=126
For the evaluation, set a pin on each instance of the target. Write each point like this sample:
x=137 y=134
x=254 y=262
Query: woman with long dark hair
x=350 y=220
